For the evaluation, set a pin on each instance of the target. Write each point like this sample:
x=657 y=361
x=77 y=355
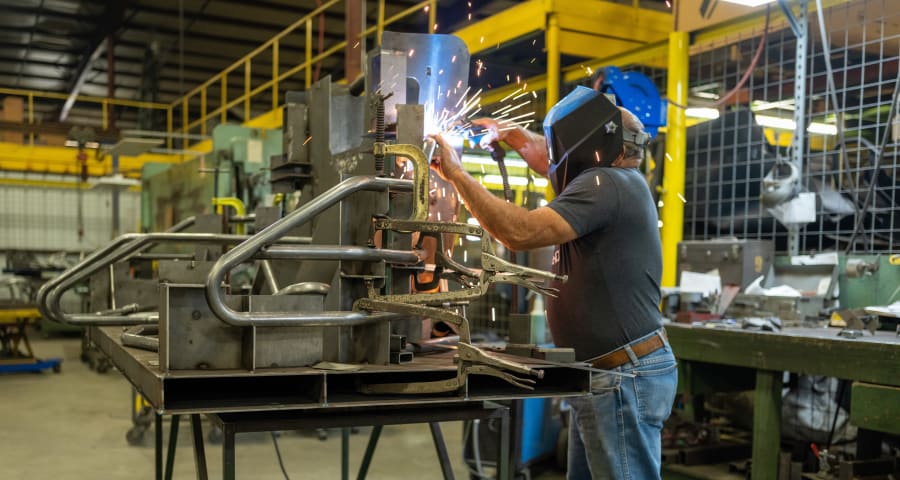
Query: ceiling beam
x=109 y=23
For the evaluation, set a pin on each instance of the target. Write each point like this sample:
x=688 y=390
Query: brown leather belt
x=620 y=357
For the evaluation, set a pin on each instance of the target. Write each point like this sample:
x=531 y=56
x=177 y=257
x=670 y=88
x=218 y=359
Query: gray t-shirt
x=614 y=266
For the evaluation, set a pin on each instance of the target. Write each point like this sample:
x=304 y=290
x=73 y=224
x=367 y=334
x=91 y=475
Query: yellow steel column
x=553 y=74
x=247 y=90
x=203 y=111
x=275 y=74
x=379 y=24
x=672 y=215
x=308 y=69
x=432 y=16
x=223 y=115
x=553 y=68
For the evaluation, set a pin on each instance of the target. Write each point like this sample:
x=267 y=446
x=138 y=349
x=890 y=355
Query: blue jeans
x=615 y=432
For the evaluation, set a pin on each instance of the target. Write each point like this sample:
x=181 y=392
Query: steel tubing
x=270 y=235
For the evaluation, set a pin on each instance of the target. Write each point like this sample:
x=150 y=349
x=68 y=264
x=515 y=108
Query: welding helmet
x=584 y=130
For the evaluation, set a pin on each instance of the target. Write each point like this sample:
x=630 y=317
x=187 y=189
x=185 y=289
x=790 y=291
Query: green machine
x=238 y=166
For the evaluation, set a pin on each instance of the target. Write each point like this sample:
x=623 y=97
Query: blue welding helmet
x=583 y=130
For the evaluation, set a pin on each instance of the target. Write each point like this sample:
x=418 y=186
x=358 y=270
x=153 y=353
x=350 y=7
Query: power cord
x=278 y=454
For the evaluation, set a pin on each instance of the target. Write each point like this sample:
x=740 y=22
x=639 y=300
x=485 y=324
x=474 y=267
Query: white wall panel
x=46 y=218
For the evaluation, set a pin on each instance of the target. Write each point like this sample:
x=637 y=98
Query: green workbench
x=713 y=359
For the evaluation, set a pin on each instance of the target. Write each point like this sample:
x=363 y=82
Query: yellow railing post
x=379 y=25
x=275 y=74
x=432 y=16
x=203 y=111
x=672 y=215
x=224 y=94
x=31 y=119
x=170 y=127
x=247 y=90
x=104 y=115
x=308 y=53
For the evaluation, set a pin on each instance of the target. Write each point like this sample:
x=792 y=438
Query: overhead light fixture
x=749 y=3
x=788 y=124
x=485 y=160
x=115 y=181
x=702 y=112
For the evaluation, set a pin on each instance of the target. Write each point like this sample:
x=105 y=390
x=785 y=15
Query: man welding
x=604 y=225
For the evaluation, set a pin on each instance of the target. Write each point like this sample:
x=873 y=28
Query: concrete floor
x=72 y=425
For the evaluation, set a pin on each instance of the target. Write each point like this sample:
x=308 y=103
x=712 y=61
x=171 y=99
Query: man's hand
x=449 y=163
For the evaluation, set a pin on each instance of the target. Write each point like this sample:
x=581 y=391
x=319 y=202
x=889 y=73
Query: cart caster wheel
x=57 y=368
x=135 y=436
x=215 y=435
x=322 y=434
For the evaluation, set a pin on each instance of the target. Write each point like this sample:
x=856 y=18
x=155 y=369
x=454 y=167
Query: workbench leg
x=345 y=453
x=868 y=444
x=503 y=472
x=370 y=452
x=228 y=460
x=158 y=431
x=441 y=448
x=199 y=449
x=173 y=444
x=766 y=425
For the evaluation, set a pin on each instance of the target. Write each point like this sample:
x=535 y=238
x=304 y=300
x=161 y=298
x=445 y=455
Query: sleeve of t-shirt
x=589 y=203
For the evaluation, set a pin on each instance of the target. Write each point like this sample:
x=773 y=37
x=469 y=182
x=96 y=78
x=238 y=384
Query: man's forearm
x=531 y=146
x=497 y=216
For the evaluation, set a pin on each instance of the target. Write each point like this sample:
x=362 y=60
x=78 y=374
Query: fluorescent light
x=749 y=3
x=517 y=181
x=485 y=160
x=701 y=112
x=775 y=122
x=822 y=128
x=788 y=124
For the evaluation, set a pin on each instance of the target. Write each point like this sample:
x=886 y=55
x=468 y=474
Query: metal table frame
x=270 y=421
x=728 y=359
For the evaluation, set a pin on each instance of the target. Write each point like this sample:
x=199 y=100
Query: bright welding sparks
x=597 y=155
x=597 y=178
x=493 y=314
x=681 y=197
x=453 y=60
x=412 y=51
x=427 y=8
x=307 y=139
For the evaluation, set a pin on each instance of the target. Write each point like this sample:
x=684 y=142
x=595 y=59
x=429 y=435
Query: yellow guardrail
x=191 y=121
x=105 y=104
x=273 y=46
